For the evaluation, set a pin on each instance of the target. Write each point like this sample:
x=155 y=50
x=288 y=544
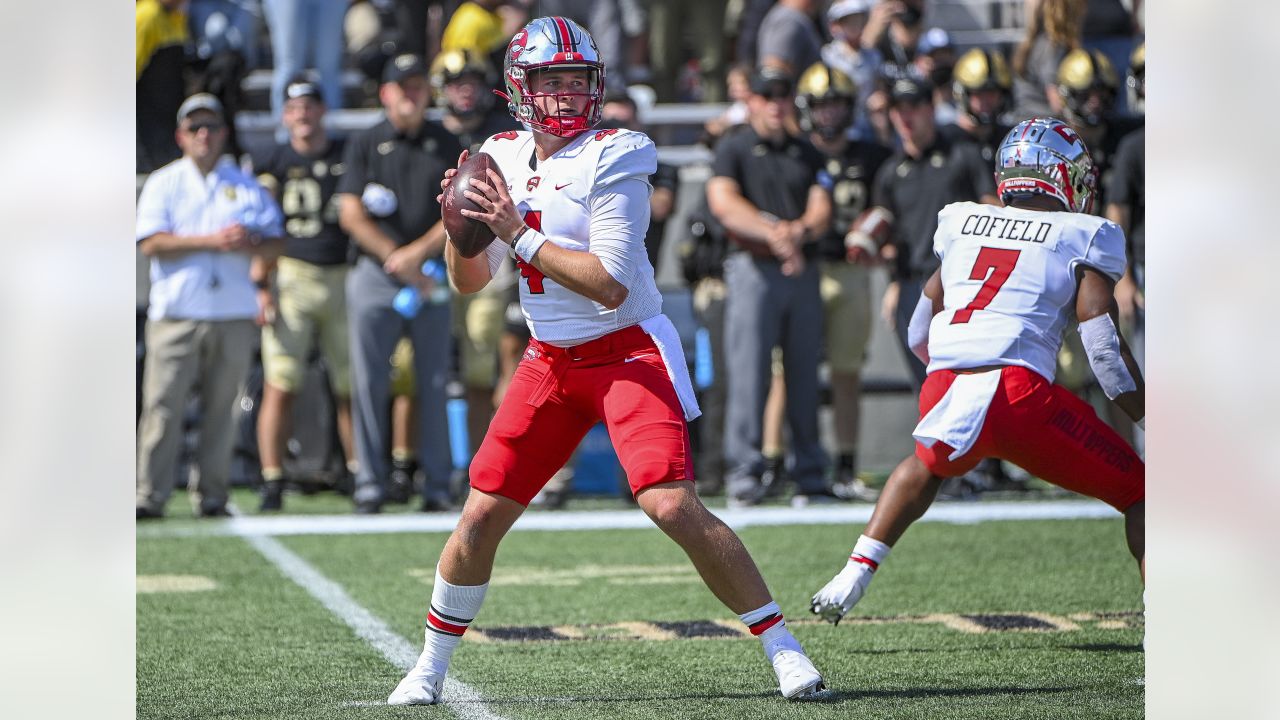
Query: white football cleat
x=422 y=686
x=798 y=679
x=844 y=591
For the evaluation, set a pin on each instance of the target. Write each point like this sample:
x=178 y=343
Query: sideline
x=630 y=519
x=462 y=699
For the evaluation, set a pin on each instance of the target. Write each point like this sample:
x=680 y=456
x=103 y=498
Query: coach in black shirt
x=927 y=174
x=387 y=195
x=770 y=191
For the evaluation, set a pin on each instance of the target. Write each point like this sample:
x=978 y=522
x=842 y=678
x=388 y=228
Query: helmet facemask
x=545 y=45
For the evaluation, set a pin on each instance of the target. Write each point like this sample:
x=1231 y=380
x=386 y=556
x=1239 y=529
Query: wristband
x=528 y=243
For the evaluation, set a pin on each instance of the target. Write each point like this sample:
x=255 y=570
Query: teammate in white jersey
x=989 y=327
x=574 y=207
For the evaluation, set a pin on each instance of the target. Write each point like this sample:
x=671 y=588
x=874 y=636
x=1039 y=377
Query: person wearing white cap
x=207 y=226
x=846 y=20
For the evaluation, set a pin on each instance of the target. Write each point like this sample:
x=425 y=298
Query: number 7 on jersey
x=998 y=262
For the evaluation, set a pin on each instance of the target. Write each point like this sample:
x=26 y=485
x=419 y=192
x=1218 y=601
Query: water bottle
x=409 y=301
x=703 y=370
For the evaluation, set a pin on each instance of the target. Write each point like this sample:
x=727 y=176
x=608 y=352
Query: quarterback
x=989 y=327
x=574 y=208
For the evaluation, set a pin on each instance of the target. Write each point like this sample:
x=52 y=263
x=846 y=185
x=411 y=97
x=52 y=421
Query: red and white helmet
x=1044 y=156
x=552 y=43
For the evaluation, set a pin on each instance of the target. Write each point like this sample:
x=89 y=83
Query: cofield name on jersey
x=1005 y=228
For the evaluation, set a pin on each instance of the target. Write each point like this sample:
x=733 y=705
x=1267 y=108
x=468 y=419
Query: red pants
x=555 y=397
x=1046 y=430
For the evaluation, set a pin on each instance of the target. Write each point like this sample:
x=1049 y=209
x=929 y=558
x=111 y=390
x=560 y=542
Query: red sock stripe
x=445 y=627
x=865 y=561
x=765 y=624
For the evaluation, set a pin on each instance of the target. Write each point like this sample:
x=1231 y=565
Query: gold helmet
x=1136 y=81
x=982 y=69
x=450 y=65
x=1080 y=73
x=817 y=85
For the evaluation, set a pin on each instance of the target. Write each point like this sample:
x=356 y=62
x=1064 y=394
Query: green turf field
x=1010 y=619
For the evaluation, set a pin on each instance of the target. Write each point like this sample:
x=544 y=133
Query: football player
x=989 y=326
x=574 y=208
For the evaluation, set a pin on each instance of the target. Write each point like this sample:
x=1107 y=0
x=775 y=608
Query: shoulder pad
x=625 y=154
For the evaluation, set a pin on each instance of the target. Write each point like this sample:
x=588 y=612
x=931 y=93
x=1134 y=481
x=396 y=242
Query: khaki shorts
x=403 y=381
x=478 y=322
x=846 y=300
x=312 y=304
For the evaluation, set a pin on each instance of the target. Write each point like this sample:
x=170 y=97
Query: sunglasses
x=194 y=128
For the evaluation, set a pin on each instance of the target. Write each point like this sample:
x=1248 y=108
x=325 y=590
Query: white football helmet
x=1044 y=156
x=547 y=43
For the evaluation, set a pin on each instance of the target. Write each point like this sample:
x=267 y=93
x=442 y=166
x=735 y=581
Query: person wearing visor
x=572 y=204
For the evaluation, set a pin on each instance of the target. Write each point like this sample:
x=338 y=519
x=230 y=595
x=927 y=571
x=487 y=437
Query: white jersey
x=1009 y=282
x=592 y=196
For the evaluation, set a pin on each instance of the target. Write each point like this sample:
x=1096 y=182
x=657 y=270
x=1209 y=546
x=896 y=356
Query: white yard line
x=462 y=699
x=957 y=512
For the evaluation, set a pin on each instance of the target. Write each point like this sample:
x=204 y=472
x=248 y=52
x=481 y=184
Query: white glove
x=843 y=592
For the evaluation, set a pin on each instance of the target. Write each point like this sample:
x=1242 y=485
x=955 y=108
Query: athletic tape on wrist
x=529 y=243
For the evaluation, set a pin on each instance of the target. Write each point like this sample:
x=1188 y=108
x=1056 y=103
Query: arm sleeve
x=153 y=211
x=1105 y=252
x=496 y=254
x=619 y=221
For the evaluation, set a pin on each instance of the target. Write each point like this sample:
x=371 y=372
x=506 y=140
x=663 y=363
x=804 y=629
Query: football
x=469 y=236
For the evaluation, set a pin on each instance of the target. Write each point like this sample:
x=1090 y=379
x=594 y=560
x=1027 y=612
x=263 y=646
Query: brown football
x=468 y=235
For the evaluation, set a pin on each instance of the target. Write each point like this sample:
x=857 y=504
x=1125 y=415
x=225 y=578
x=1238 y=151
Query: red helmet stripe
x=566 y=38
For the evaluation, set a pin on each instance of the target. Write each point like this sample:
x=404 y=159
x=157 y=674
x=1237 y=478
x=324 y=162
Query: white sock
x=869 y=552
x=768 y=624
x=453 y=607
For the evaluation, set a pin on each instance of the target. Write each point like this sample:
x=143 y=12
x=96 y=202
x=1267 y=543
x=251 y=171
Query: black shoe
x=826 y=496
x=746 y=498
x=215 y=512
x=400 y=482
x=436 y=503
x=146 y=513
x=272 y=496
x=368 y=507
x=774 y=476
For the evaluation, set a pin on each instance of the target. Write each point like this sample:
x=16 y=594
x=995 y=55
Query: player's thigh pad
x=645 y=421
x=526 y=445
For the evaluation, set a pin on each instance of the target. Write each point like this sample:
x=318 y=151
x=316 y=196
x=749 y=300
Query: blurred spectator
x=1127 y=207
x=219 y=26
x=605 y=20
x=619 y=111
x=310 y=304
x=207 y=227
x=674 y=27
x=737 y=83
x=770 y=191
x=477 y=26
x=826 y=99
x=1087 y=88
x=387 y=205
x=846 y=20
x=935 y=61
x=302 y=32
x=982 y=90
x=1053 y=30
x=1110 y=27
x=746 y=16
x=894 y=29
x=160 y=36
x=927 y=174
x=463 y=81
x=789 y=37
